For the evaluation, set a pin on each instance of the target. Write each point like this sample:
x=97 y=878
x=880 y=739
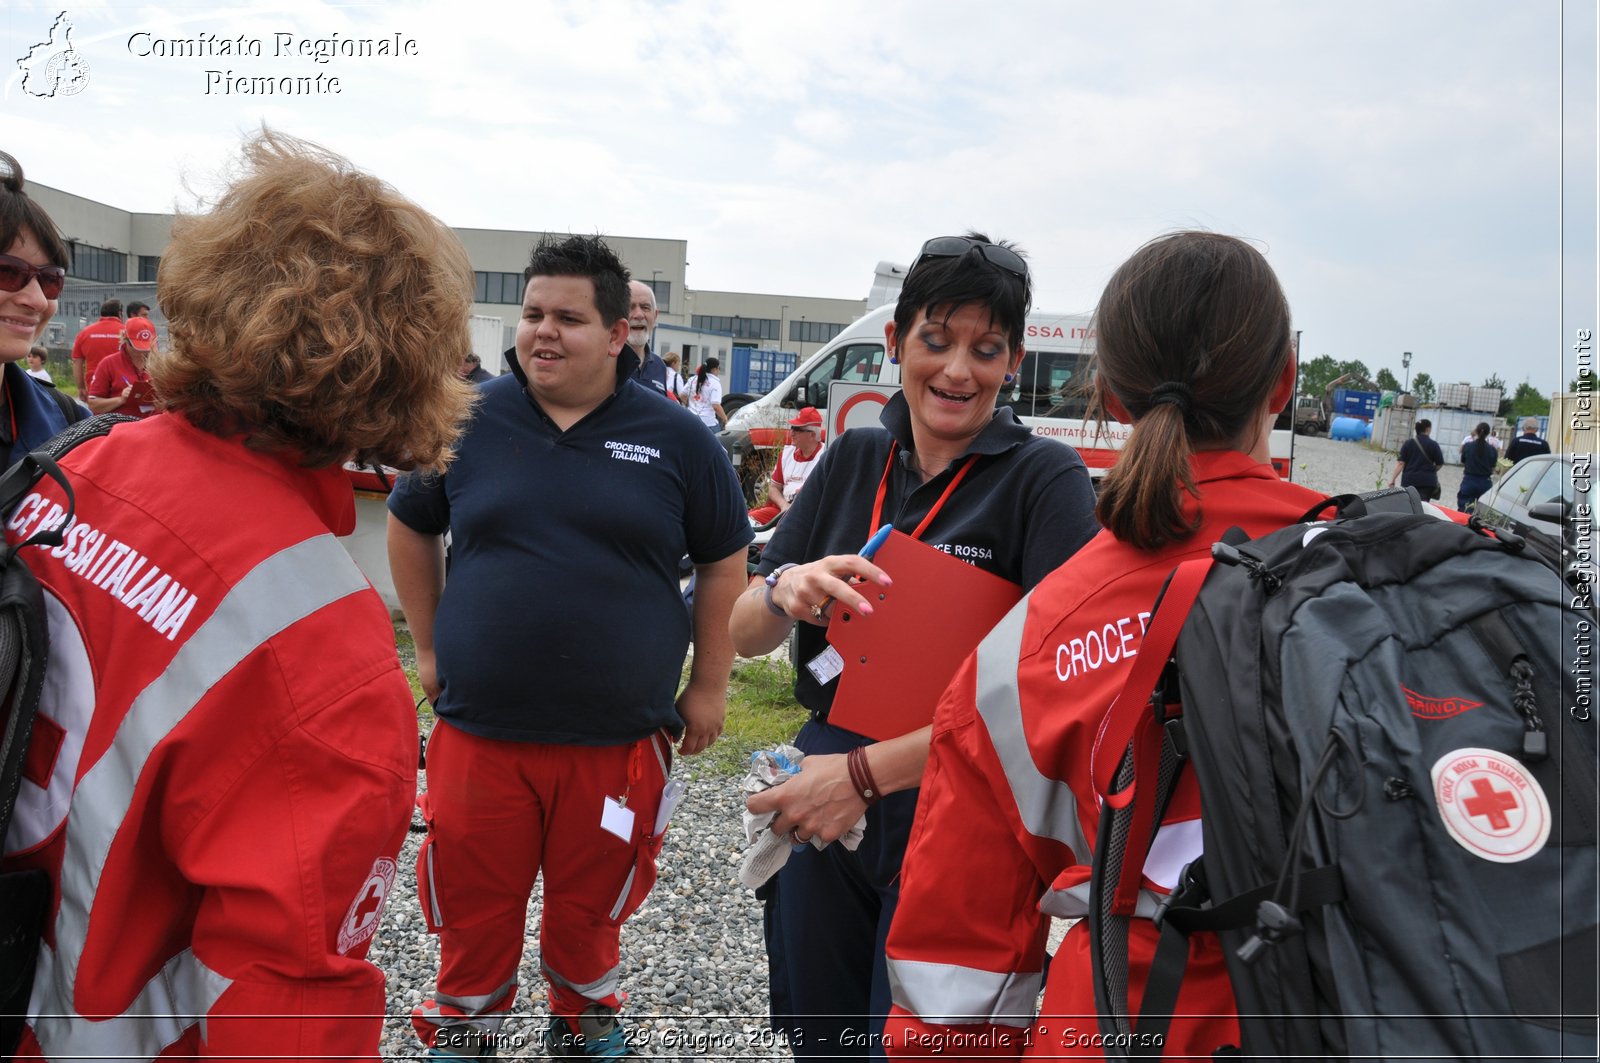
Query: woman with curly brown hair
x=235 y=740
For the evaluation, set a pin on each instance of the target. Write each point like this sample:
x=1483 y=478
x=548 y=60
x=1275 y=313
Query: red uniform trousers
x=498 y=814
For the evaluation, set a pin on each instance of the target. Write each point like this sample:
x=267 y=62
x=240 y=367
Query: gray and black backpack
x=1390 y=720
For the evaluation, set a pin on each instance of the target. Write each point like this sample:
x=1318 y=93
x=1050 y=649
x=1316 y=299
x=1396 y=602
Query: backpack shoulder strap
x=1389 y=500
x=24 y=643
x=18 y=480
x=1122 y=719
x=1122 y=754
x=69 y=406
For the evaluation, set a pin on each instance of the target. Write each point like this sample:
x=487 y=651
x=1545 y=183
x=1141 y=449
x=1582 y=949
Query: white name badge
x=826 y=666
x=617 y=818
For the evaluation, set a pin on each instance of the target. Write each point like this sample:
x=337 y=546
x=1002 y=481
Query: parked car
x=1551 y=495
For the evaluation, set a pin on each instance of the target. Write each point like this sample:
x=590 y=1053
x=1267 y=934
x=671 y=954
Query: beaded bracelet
x=855 y=763
x=771 y=582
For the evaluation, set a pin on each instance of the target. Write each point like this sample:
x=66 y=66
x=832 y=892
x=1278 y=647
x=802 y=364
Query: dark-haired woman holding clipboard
x=951 y=470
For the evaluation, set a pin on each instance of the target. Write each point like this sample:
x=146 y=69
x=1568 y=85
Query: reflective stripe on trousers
x=604 y=986
x=279 y=592
x=943 y=994
x=486 y=1012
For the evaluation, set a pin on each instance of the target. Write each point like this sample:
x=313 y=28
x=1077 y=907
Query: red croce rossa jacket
x=1008 y=811
x=224 y=762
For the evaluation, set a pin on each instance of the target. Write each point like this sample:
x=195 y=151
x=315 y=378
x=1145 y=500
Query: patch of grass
x=62 y=377
x=762 y=711
x=408 y=660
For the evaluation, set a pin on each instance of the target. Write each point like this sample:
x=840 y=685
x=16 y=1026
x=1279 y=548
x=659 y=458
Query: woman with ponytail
x=1478 y=458
x=705 y=395
x=1194 y=352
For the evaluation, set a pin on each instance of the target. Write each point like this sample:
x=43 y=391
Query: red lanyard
x=11 y=408
x=883 y=488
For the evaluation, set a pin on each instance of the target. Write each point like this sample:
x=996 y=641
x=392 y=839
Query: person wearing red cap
x=121 y=383
x=794 y=465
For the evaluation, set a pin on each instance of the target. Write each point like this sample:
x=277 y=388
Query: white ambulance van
x=849 y=380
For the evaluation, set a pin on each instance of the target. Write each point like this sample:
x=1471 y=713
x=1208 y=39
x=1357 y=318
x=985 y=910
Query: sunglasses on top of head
x=956 y=246
x=15 y=275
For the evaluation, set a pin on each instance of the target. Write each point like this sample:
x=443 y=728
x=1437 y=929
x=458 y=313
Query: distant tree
x=1357 y=369
x=1528 y=402
x=1494 y=381
x=1423 y=388
x=1386 y=380
x=1316 y=374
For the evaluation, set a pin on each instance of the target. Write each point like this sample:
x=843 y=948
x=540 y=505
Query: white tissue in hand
x=768 y=851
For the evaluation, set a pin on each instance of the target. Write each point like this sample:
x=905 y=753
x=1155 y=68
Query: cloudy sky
x=1400 y=163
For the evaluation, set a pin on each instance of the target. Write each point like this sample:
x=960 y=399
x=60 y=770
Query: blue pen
x=879 y=537
x=877 y=540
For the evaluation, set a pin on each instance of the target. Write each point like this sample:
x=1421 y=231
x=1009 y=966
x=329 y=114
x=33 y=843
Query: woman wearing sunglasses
x=950 y=469
x=32 y=273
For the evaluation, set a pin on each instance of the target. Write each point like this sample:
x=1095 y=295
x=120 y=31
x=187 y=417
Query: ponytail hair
x=1192 y=337
x=1480 y=441
x=700 y=374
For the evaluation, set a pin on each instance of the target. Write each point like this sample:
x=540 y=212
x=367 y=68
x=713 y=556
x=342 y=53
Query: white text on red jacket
x=1107 y=644
x=110 y=564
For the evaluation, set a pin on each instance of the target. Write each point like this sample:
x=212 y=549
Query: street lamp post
x=1405 y=363
x=783 y=313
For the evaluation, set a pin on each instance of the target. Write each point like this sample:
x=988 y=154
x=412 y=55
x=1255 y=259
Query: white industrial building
x=115 y=254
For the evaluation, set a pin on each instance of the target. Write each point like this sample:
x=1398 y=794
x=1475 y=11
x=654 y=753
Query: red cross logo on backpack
x=1491 y=805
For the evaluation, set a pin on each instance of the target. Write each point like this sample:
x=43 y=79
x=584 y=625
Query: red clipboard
x=898 y=661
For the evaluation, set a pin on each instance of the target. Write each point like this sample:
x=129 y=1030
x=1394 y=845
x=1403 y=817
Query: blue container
x=1356 y=403
x=757 y=370
x=1349 y=429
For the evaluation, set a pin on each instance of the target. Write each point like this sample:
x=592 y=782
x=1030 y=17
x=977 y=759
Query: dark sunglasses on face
x=15 y=275
x=956 y=246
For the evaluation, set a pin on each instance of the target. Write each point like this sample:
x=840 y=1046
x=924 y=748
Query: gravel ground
x=695 y=967
x=694 y=963
x=1338 y=468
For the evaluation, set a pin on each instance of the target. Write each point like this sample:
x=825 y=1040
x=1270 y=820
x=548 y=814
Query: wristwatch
x=772 y=581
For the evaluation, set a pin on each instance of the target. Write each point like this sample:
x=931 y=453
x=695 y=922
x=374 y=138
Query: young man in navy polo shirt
x=573 y=494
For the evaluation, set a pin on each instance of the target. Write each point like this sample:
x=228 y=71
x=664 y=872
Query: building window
x=744 y=328
x=504 y=288
x=98 y=263
x=663 y=293
x=148 y=266
x=804 y=331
